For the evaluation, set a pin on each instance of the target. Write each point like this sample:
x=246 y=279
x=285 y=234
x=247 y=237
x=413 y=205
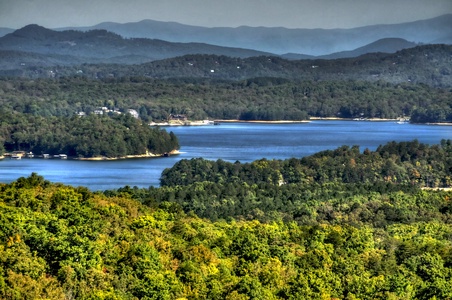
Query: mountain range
x=289 y=43
x=279 y=40
x=426 y=64
x=100 y=46
x=35 y=51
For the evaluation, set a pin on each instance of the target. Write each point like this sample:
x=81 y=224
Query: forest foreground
x=312 y=228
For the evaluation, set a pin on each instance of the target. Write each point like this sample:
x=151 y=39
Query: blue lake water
x=244 y=142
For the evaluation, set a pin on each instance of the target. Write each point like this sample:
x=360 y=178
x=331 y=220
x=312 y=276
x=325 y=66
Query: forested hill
x=96 y=46
x=428 y=64
x=288 y=188
x=90 y=136
x=251 y=99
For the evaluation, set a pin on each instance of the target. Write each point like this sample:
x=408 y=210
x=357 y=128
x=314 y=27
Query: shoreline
x=352 y=119
x=308 y=121
x=439 y=124
x=104 y=158
x=150 y=155
x=376 y=120
x=265 y=122
x=203 y=123
x=330 y=119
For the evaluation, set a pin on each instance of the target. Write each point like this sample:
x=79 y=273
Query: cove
x=244 y=142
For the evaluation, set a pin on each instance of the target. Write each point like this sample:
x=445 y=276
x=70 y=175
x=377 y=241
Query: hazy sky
x=215 y=13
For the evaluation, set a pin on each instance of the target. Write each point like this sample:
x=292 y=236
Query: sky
x=325 y=14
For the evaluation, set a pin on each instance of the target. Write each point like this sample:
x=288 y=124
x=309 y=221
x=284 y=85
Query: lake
x=244 y=142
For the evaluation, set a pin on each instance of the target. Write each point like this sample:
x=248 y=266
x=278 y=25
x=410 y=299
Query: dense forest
x=295 y=229
x=250 y=99
x=426 y=64
x=291 y=189
x=87 y=136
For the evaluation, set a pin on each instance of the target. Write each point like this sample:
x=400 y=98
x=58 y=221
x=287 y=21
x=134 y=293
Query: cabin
x=134 y=113
x=177 y=117
x=17 y=154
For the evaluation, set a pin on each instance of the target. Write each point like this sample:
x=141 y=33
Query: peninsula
x=86 y=137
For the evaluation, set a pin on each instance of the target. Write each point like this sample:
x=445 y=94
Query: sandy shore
x=441 y=124
x=376 y=120
x=264 y=122
x=149 y=155
x=328 y=118
x=307 y=121
x=199 y=123
x=350 y=119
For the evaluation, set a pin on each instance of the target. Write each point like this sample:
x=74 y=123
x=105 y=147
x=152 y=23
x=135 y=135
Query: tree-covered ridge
x=426 y=64
x=71 y=47
x=412 y=163
x=251 y=99
x=302 y=189
x=60 y=242
x=87 y=136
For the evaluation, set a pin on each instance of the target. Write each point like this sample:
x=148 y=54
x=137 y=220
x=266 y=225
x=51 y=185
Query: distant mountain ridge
x=35 y=51
x=4 y=31
x=386 y=45
x=279 y=40
x=34 y=45
x=426 y=64
x=101 y=46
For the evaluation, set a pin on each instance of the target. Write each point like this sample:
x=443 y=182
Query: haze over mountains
x=279 y=40
x=101 y=46
x=35 y=51
x=291 y=43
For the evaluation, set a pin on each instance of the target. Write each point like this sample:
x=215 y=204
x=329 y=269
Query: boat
x=403 y=121
x=15 y=156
